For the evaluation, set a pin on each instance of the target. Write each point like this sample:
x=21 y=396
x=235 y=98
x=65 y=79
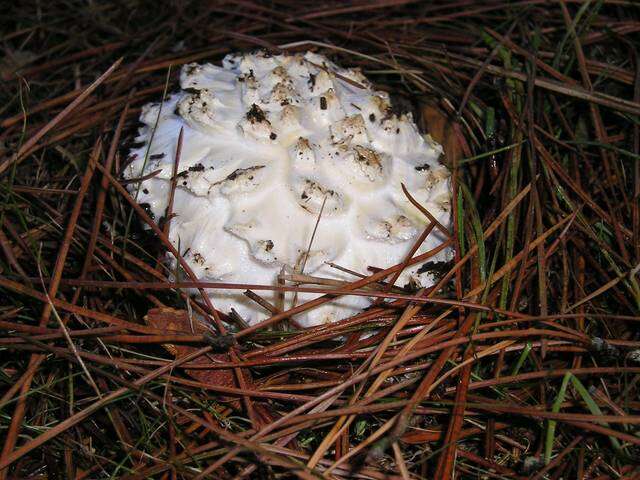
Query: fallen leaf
x=172 y=320
x=442 y=129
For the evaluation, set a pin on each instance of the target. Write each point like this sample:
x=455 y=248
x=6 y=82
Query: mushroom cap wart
x=268 y=140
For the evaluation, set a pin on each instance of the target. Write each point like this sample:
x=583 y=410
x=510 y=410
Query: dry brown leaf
x=172 y=320
x=442 y=130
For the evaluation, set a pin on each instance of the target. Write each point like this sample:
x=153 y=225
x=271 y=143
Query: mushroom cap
x=272 y=143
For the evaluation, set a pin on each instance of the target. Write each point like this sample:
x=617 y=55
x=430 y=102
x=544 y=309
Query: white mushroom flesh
x=268 y=140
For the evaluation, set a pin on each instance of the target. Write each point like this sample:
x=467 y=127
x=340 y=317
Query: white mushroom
x=270 y=144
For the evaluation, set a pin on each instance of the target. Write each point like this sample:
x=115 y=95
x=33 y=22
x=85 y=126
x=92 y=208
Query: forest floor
x=522 y=362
